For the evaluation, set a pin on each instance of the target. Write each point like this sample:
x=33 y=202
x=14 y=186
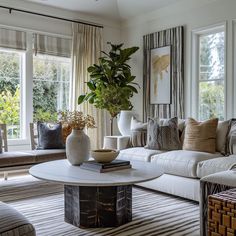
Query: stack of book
x=106 y=167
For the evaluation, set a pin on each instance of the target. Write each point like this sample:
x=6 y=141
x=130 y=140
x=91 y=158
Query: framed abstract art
x=160 y=81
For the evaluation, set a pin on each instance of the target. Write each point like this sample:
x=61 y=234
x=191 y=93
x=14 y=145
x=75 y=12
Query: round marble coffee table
x=96 y=199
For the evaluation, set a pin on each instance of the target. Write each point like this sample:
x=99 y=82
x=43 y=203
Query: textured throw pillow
x=164 y=137
x=200 y=136
x=49 y=137
x=138 y=133
x=221 y=136
x=0 y=141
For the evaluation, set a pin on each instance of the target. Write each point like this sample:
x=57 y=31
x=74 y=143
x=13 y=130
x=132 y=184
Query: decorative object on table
x=49 y=136
x=124 y=122
x=111 y=82
x=160 y=81
x=77 y=143
x=104 y=155
x=106 y=167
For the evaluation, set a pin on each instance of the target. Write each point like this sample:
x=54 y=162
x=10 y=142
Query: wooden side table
x=222 y=213
x=116 y=142
x=213 y=184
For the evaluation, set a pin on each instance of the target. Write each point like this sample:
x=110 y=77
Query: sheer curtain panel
x=86 y=49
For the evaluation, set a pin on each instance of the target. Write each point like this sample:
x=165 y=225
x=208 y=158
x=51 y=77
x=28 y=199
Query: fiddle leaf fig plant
x=111 y=83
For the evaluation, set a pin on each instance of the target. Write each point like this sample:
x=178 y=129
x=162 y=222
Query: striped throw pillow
x=138 y=133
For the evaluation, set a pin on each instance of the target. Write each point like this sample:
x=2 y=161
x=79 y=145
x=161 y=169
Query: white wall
x=111 y=31
x=192 y=14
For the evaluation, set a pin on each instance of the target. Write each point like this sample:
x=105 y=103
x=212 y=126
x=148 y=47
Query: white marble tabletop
x=62 y=171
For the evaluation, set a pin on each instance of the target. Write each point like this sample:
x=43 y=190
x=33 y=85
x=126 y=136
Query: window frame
x=22 y=63
x=26 y=96
x=69 y=61
x=194 y=84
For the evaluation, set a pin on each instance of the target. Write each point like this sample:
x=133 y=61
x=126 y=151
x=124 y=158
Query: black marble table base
x=94 y=207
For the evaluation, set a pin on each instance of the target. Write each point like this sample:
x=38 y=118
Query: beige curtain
x=86 y=49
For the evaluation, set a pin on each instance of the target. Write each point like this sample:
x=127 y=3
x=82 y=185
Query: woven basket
x=222 y=213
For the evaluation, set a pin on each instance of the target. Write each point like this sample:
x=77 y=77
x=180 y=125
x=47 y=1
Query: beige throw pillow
x=200 y=136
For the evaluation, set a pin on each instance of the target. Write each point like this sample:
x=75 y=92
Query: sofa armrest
x=116 y=142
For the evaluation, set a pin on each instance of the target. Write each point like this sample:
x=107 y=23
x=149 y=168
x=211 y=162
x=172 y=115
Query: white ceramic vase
x=77 y=147
x=124 y=121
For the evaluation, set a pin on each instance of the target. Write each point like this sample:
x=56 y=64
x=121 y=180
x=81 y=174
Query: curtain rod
x=48 y=16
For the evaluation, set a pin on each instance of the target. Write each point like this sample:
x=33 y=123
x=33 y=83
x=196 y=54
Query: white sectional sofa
x=182 y=169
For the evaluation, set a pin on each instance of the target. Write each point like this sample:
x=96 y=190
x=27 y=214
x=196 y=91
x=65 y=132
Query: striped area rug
x=154 y=214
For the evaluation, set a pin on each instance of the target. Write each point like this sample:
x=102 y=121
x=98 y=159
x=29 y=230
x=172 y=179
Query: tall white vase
x=77 y=147
x=124 y=121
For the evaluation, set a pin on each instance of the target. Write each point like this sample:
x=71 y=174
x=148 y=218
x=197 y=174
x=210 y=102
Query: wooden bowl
x=104 y=155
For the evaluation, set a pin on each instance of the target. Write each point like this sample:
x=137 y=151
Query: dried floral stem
x=76 y=119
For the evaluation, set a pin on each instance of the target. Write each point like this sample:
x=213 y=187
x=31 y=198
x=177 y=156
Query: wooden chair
x=33 y=136
x=3 y=128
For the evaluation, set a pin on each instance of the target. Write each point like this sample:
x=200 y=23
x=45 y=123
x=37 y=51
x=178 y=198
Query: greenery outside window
x=51 y=86
x=211 y=75
x=10 y=91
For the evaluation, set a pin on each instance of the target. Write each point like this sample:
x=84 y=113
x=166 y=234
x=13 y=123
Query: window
x=34 y=80
x=211 y=74
x=51 y=86
x=10 y=91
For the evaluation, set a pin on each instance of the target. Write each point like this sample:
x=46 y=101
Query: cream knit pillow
x=200 y=136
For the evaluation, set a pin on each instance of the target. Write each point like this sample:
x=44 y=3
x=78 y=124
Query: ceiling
x=113 y=9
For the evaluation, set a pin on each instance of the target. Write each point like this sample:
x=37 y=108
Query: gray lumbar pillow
x=0 y=141
x=49 y=137
x=164 y=137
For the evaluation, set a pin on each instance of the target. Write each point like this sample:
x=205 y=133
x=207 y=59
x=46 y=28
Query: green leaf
x=91 y=85
x=88 y=96
x=132 y=88
x=81 y=99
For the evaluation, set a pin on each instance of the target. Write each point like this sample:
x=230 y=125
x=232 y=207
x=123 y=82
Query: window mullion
x=27 y=115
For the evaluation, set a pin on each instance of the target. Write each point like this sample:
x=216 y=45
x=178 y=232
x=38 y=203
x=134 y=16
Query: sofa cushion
x=200 y=136
x=8 y=159
x=163 y=136
x=137 y=154
x=212 y=166
x=49 y=155
x=13 y=223
x=182 y=162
